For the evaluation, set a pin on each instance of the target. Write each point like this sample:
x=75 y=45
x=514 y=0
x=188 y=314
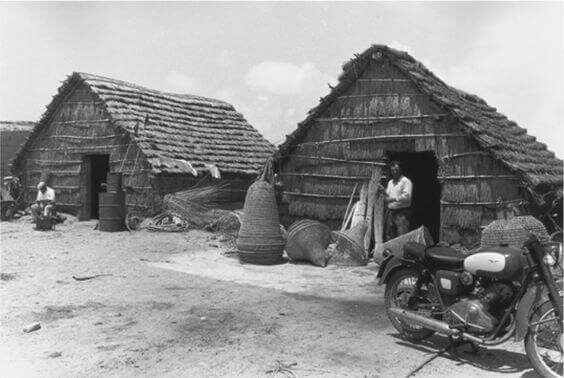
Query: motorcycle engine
x=480 y=314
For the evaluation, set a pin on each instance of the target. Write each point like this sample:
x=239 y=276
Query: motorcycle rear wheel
x=543 y=342
x=399 y=289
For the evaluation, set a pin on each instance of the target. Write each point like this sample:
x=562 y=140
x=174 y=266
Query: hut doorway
x=422 y=168
x=97 y=168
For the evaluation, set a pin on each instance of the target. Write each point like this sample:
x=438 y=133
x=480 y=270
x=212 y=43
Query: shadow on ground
x=494 y=359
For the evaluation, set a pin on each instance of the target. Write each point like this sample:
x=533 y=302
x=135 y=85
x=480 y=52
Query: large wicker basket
x=260 y=240
x=308 y=241
x=513 y=232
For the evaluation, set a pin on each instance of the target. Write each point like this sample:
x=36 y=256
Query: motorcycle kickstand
x=455 y=344
x=474 y=348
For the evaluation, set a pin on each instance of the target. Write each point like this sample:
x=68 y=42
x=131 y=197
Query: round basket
x=308 y=241
x=513 y=232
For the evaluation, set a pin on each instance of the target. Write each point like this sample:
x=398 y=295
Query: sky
x=273 y=61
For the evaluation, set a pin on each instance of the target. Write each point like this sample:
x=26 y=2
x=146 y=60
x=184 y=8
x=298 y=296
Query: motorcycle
x=484 y=298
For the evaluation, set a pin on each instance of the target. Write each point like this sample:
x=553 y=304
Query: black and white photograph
x=281 y=189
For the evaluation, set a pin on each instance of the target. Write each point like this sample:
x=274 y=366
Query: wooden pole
x=378 y=221
x=370 y=210
x=345 y=218
x=360 y=208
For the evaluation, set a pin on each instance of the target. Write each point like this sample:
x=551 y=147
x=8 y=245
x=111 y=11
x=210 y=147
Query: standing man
x=398 y=200
x=45 y=201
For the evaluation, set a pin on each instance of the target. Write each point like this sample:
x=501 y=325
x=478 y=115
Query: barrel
x=111 y=211
x=114 y=182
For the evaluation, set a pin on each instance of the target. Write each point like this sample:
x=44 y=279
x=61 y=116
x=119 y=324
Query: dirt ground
x=170 y=304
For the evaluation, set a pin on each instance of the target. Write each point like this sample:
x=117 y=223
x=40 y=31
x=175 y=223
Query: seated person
x=45 y=202
x=5 y=194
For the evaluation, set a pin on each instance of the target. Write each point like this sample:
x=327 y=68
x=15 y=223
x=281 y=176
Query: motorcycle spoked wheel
x=543 y=342
x=399 y=289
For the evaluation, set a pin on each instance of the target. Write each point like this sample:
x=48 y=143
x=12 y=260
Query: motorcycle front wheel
x=399 y=290
x=544 y=340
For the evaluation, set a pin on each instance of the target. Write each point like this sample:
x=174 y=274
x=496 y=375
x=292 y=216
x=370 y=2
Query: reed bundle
x=194 y=203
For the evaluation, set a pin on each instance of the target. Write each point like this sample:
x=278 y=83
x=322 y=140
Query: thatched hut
x=467 y=160
x=12 y=135
x=160 y=142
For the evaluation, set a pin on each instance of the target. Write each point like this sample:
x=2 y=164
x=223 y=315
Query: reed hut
x=160 y=142
x=467 y=161
x=12 y=135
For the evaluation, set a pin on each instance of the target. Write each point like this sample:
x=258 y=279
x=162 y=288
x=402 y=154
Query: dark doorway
x=422 y=168
x=97 y=168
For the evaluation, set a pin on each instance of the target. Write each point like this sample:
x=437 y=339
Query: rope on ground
x=424 y=363
x=168 y=222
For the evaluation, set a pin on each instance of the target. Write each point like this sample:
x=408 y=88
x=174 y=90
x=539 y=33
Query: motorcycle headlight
x=549 y=260
x=554 y=249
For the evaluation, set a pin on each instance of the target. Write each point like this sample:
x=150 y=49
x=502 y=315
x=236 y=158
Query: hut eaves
x=503 y=138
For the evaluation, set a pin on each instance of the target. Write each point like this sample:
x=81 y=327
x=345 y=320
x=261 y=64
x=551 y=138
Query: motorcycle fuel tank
x=501 y=263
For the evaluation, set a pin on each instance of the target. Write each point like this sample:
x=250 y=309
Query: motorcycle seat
x=414 y=251
x=445 y=256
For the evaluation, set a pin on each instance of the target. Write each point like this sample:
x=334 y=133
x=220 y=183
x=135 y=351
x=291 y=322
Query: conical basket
x=260 y=240
x=349 y=248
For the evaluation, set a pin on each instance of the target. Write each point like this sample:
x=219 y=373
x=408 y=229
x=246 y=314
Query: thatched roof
x=172 y=128
x=16 y=125
x=506 y=141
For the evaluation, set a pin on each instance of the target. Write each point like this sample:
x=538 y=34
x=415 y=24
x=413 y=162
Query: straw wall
x=383 y=111
x=80 y=126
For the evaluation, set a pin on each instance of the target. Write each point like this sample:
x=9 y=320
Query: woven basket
x=308 y=241
x=349 y=249
x=44 y=223
x=513 y=232
x=260 y=240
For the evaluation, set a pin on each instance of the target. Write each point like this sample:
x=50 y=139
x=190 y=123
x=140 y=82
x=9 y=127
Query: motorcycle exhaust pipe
x=444 y=328
x=429 y=323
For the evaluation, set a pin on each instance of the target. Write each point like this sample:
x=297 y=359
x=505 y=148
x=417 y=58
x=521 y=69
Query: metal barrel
x=114 y=182
x=111 y=211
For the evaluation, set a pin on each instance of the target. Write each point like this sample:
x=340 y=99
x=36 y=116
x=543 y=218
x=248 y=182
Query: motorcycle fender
x=534 y=295
x=387 y=267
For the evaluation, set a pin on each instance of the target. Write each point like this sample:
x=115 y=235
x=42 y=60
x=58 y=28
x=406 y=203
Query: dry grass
x=194 y=203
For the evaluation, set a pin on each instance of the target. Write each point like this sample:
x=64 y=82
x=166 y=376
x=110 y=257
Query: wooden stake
x=378 y=220
x=349 y=210
x=348 y=219
x=372 y=192
x=360 y=208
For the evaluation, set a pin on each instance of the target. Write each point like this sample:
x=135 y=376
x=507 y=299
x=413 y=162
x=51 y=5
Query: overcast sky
x=273 y=60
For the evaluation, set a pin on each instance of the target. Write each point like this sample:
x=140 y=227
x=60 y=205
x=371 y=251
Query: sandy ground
x=170 y=304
